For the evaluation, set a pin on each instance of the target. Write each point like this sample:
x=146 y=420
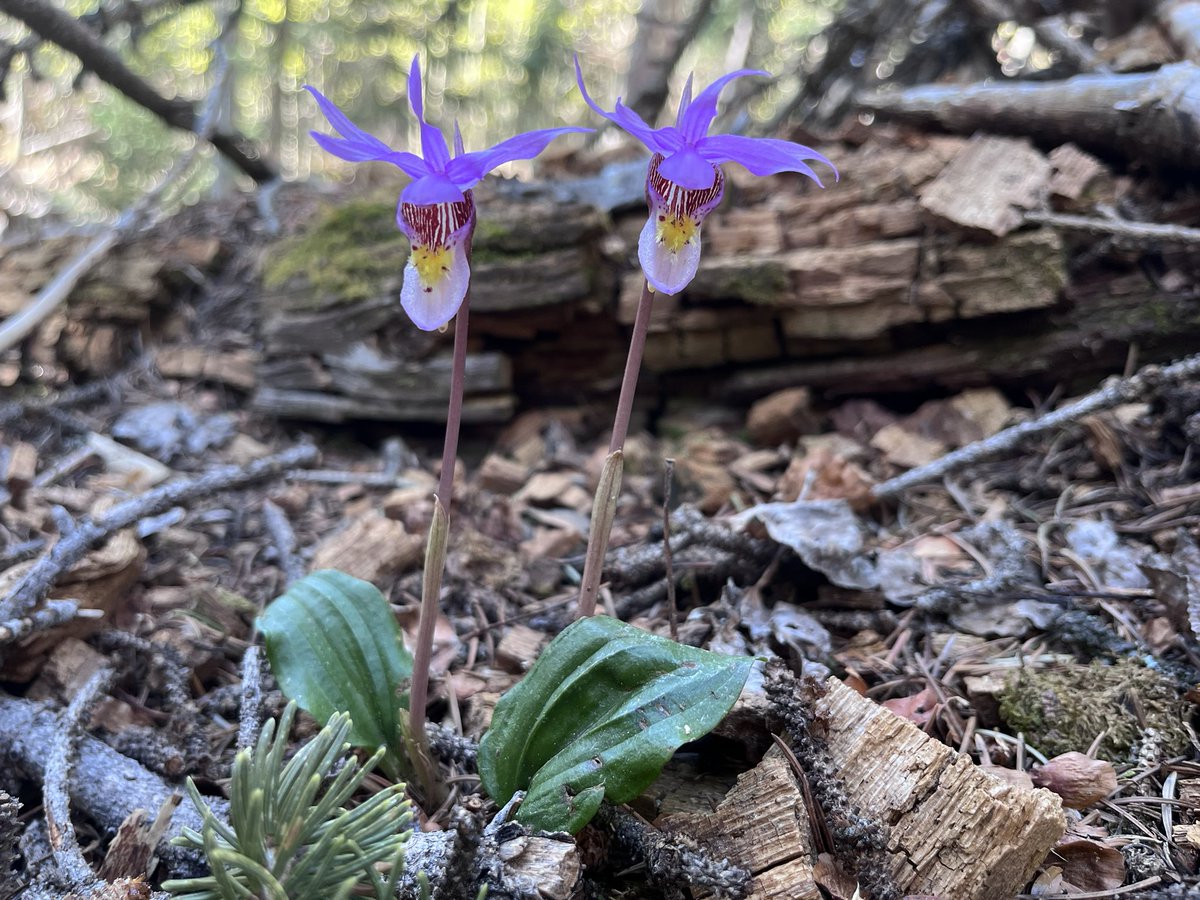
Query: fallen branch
x=71 y=548
x=107 y=787
x=1118 y=390
x=1148 y=117
x=284 y=540
x=250 y=712
x=67 y=854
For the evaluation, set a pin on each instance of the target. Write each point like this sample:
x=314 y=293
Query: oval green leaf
x=599 y=714
x=334 y=646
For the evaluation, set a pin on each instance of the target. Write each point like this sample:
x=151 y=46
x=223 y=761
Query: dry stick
x=604 y=507
x=1118 y=390
x=284 y=539
x=74 y=546
x=250 y=708
x=55 y=793
x=435 y=560
x=668 y=563
x=107 y=787
x=15 y=328
x=1138 y=231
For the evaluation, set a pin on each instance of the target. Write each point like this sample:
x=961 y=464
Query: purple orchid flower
x=436 y=211
x=684 y=182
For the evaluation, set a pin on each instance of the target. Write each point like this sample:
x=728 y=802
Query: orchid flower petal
x=434 y=149
x=459 y=149
x=356 y=145
x=696 y=119
x=669 y=245
x=433 y=144
x=623 y=116
x=762 y=156
x=435 y=284
x=467 y=170
x=669 y=270
x=415 y=94
x=685 y=100
x=688 y=169
x=433 y=188
x=631 y=122
x=438 y=272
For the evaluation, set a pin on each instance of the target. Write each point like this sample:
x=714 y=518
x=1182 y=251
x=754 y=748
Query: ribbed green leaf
x=334 y=646
x=599 y=715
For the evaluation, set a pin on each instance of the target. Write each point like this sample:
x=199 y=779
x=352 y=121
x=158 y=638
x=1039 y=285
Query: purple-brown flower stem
x=458 y=378
x=633 y=366
x=609 y=489
x=435 y=560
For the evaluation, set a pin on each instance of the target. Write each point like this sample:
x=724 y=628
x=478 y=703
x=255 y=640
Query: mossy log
x=882 y=282
x=924 y=268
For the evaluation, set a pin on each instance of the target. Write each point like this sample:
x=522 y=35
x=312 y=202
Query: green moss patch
x=345 y=257
x=1066 y=708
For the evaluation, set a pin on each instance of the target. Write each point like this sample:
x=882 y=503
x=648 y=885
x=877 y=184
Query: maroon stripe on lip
x=434 y=224
x=680 y=201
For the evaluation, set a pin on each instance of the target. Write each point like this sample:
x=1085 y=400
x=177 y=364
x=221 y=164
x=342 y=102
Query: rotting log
x=880 y=283
x=1152 y=117
x=953 y=829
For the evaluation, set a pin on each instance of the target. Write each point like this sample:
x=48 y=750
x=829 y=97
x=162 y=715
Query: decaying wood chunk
x=1147 y=116
x=953 y=830
x=989 y=185
x=519 y=647
x=235 y=368
x=100 y=581
x=370 y=548
x=1074 y=171
x=761 y=825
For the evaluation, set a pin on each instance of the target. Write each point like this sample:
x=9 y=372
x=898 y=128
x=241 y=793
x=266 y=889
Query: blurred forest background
x=72 y=146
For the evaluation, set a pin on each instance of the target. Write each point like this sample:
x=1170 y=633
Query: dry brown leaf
x=1077 y=778
x=823 y=474
x=1088 y=865
x=905 y=448
x=918 y=708
x=781 y=417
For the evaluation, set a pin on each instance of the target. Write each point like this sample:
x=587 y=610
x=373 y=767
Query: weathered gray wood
x=1151 y=117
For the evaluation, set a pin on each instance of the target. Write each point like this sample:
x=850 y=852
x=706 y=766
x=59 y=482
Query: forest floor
x=1033 y=611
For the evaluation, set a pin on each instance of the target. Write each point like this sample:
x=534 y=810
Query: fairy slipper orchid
x=684 y=182
x=436 y=210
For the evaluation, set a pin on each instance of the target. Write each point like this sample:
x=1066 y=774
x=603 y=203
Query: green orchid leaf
x=334 y=646
x=599 y=714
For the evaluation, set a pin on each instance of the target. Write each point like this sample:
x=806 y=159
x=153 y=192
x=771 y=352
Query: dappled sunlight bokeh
x=74 y=148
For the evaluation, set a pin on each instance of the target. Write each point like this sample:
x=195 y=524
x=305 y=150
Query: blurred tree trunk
x=665 y=29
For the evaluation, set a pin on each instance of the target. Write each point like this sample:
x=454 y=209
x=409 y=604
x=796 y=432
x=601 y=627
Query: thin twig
x=1139 y=231
x=1117 y=390
x=668 y=564
x=284 y=540
x=250 y=718
x=71 y=548
x=59 y=760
